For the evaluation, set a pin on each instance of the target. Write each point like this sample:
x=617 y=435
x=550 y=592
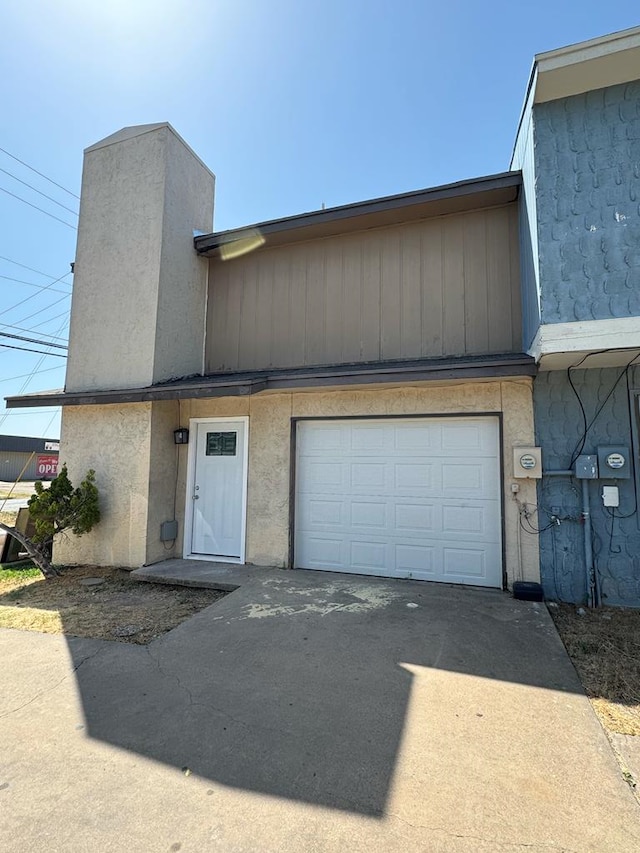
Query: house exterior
x=578 y=147
x=364 y=387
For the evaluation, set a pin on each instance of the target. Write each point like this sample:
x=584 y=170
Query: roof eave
x=479 y=192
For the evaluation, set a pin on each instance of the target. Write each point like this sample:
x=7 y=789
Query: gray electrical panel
x=587 y=467
x=614 y=462
x=168 y=531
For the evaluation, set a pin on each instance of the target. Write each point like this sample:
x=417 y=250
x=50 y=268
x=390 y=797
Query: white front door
x=218 y=490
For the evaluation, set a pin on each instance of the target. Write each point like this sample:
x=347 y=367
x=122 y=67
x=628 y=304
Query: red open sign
x=47 y=466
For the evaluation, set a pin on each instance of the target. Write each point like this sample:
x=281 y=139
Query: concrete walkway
x=311 y=712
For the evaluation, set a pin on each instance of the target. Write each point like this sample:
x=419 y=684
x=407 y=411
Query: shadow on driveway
x=299 y=685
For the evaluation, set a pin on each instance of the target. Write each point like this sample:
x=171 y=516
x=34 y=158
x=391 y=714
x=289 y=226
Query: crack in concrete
x=503 y=844
x=53 y=686
x=193 y=703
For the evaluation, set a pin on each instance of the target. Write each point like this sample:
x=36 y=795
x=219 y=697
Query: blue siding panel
x=616 y=541
x=587 y=153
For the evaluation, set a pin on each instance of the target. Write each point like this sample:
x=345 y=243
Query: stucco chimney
x=137 y=314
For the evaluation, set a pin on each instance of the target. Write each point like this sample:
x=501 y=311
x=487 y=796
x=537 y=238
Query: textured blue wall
x=616 y=542
x=587 y=153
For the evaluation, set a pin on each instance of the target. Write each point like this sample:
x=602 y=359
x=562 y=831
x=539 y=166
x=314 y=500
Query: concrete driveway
x=311 y=712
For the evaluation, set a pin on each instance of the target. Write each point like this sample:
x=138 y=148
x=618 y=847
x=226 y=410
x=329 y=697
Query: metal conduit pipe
x=591 y=581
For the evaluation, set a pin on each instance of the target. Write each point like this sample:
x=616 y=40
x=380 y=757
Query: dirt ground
x=604 y=645
x=119 y=608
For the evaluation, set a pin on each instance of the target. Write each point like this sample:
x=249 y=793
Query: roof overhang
x=490 y=191
x=587 y=66
x=300 y=379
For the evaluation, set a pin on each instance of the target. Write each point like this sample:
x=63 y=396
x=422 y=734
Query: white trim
x=586 y=336
x=191 y=471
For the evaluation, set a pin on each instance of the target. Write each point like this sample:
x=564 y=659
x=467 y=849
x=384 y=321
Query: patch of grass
x=120 y=608
x=20 y=575
x=9 y=518
x=604 y=645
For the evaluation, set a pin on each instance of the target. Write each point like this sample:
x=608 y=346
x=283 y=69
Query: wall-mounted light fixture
x=181 y=436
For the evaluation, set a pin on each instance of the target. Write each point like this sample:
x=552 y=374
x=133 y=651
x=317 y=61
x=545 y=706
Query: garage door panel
x=420 y=518
x=418 y=475
x=414 y=498
x=365 y=554
x=368 y=439
x=468 y=565
x=368 y=514
x=415 y=559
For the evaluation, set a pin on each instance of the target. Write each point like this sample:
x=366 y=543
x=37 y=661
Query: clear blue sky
x=292 y=103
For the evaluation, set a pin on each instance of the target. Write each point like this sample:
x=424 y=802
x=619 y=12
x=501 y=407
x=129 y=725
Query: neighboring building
x=28 y=458
x=578 y=147
x=359 y=382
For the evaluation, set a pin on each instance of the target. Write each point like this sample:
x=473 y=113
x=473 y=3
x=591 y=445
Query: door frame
x=191 y=476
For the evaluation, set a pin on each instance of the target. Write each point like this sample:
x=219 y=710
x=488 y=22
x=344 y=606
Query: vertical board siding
x=444 y=286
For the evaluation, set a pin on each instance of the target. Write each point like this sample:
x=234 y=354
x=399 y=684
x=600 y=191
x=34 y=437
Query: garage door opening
x=412 y=498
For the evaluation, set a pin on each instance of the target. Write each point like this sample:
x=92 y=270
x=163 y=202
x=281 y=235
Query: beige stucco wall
x=270 y=451
x=139 y=295
x=131 y=448
x=115 y=441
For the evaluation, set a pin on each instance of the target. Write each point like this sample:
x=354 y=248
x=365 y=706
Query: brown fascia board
x=245 y=384
x=478 y=193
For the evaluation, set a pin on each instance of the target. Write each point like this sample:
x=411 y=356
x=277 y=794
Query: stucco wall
x=616 y=542
x=270 y=451
x=137 y=313
x=115 y=441
x=164 y=458
x=587 y=154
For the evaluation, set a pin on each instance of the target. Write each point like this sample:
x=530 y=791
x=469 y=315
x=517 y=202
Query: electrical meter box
x=527 y=462
x=614 y=462
x=587 y=467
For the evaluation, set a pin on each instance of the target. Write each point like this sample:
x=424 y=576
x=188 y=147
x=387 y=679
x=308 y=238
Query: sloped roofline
x=487 y=191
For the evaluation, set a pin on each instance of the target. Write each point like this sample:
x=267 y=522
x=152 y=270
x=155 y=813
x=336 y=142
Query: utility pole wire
x=32 y=330
x=33 y=284
x=39 y=351
x=32 y=340
x=33 y=295
x=22 y=163
x=25 y=267
x=57 y=218
x=44 y=195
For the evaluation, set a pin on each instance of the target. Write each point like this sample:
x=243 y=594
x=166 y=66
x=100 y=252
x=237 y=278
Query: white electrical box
x=610 y=496
x=527 y=462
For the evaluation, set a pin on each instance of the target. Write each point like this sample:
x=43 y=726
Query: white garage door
x=400 y=498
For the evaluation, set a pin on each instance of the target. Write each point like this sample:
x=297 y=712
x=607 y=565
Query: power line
x=44 y=195
x=23 y=375
x=25 y=267
x=25 y=349
x=46 y=213
x=46 y=308
x=35 y=369
x=29 y=331
x=50 y=320
x=32 y=340
x=33 y=284
x=51 y=181
x=33 y=295
x=41 y=411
